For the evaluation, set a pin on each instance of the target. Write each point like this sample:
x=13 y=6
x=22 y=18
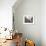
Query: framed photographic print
x=28 y=19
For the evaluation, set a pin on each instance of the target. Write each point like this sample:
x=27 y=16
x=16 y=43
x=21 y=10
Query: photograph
x=28 y=19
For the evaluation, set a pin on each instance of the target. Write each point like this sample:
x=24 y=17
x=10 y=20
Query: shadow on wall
x=28 y=7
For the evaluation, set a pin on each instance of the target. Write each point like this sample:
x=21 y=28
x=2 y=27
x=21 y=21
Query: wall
x=43 y=22
x=6 y=13
x=30 y=31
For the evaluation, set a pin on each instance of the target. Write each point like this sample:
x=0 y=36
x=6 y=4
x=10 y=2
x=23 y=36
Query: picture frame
x=28 y=19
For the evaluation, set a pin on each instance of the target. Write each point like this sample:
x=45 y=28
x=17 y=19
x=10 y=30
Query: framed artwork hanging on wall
x=28 y=19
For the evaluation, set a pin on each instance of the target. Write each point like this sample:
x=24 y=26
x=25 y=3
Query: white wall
x=43 y=22
x=6 y=13
x=30 y=31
